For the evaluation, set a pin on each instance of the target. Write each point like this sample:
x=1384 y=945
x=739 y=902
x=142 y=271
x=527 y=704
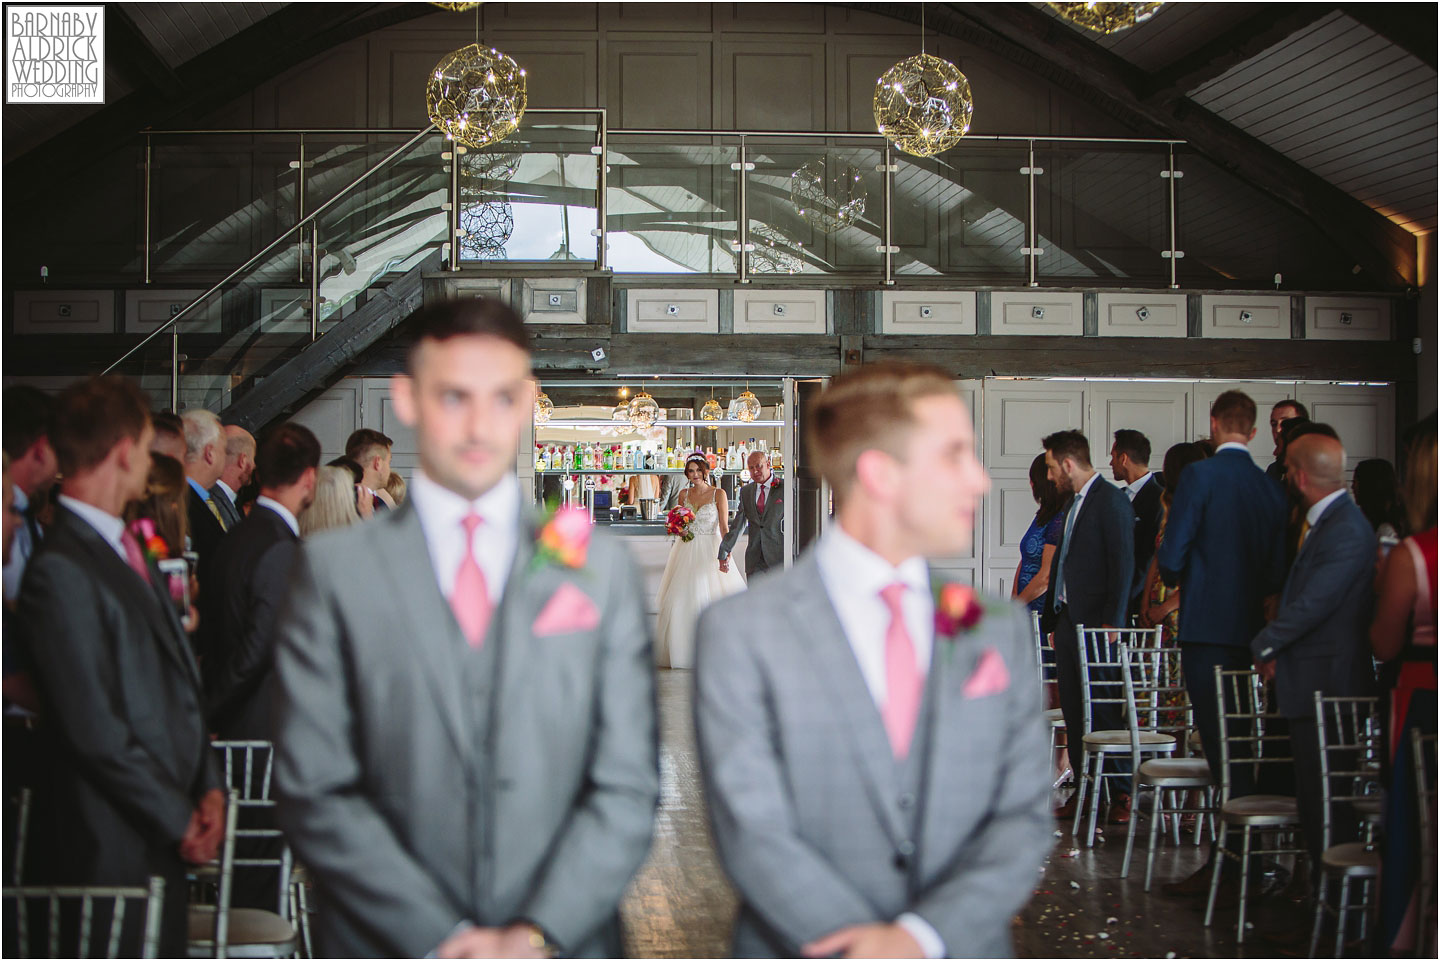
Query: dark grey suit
x=1148 y=513
x=251 y=575
x=123 y=734
x=765 y=548
x=425 y=783
x=227 y=507
x=1318 y=641
x=817 y=824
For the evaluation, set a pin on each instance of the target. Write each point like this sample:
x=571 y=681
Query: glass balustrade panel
x=962 y=213
x=671 y=204
x=1102 y=213
x=816 y=206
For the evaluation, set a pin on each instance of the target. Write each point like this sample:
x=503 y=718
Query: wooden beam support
x=1273 y=24
x=1056 y=52
x=1410 y=26
x=133 y=52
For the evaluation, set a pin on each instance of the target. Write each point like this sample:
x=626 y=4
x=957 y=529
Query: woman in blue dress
x=1037 y=547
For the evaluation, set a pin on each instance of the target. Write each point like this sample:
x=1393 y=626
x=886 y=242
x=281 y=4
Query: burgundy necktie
x=134 y=556
x=760 y=501
x=903 y=682
x=470 y=599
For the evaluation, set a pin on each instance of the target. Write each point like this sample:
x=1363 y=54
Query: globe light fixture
x=544 y=408
x=643 y=411
x=923 y=105
x=1106 y=18
x=827 y=195
x=456 y=7
x=747 y=406
x=476 y=95
x=712 y=411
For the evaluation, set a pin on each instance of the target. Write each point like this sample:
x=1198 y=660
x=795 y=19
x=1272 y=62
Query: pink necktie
x=470 y=600
x=903 y=683
x=134 y=557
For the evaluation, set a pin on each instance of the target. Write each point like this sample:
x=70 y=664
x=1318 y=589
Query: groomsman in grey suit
x=870 y=736
x=466 y=746
x=762 y=511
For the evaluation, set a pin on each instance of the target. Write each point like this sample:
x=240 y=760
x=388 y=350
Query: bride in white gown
x=693 y=579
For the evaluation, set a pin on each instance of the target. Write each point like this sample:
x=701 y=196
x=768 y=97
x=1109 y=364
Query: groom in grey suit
x=466 y=747
x=762 y=512
x=878 y=783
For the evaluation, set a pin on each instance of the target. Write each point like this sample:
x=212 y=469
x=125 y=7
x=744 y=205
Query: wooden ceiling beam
x=137 y=56
x=1236 y=45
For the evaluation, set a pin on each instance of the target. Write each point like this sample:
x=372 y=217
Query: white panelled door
x=966 y=568
x=1163 y=412
x=1362 y=415
x=1266 y=395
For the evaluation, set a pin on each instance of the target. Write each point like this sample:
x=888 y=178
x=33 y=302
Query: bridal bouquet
x=678 y=522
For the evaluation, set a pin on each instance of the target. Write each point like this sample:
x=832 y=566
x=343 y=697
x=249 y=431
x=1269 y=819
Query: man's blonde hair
x=870 y=409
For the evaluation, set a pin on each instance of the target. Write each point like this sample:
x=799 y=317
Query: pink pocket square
x=568 y=610
x=990 y=675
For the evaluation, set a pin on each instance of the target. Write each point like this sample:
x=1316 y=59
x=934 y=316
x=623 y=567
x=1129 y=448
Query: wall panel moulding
x=148 y=307
x=553 y=301
x=780 y=312
x=1347 y=318
x=65 y=312
x=927 y=312
x=1037 y=313
x=1141 y=314
x=674 y=311
x=1247 y=316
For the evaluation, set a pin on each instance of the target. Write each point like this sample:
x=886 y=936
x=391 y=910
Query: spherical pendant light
x=923 y=105
x=827 y=196
x=747 y=407
x=644 y=412
x=712 y=411
x=476 y=95
x=543 y=408
x=1106 y=17
x=456 y=7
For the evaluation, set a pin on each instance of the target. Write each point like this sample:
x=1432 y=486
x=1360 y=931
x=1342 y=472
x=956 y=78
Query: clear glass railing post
x=1032 y=249
x=602 y=168
x=300 y=209
x=742 y=251
x=314 y=280
x=888 y=179
x=175 y=368
x=149 y=162
x=453 y=208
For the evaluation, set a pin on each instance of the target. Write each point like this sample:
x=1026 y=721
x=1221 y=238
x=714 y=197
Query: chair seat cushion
x=1120 y=741
x=247 y=926
x=1055 y=717
x=1175 y=772
x=1352 y=859
x=1370 y=808
x=1260 y=810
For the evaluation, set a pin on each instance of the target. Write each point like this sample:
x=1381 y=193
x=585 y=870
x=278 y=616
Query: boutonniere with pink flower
x=151 y=543
x=564 y=539
x=957 y=608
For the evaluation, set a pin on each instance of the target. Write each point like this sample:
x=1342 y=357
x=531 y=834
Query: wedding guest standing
x=1037 y=545
x=1287 y=409
x=1089 y=585
x=239 y=465
x=130 y=788
x=877 y=783
x=1224 y=548
x=333 y=504
x=1316 y=641
x=762 y=513
x=1403 y=639
x=466 y=746
x=1377 y=491
x=1130 y=466
x=27 y=420
x=204 y=461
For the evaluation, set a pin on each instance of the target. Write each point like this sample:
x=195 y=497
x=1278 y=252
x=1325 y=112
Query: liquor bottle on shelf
x=732 y=459
x=576 y=459
x=609 y=461
x=539 y=457
x=775 y=461
x=710 y=457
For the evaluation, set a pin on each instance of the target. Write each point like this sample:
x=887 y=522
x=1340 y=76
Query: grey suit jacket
x=1318 y=636
x=126 y=757
x=766 y=546
x=802 y=787
x=408 y=824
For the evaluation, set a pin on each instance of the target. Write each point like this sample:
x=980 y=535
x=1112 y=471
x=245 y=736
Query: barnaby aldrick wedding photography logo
x=54 y=53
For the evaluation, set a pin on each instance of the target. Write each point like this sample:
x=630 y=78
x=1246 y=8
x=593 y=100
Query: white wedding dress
x=692 y=582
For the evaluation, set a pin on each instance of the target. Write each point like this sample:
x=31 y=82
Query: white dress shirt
x=20 y=548
x=853 y=576
x=441 y=514
x=1070 y=524
x=107 y=525
x=282 y=510
x=1232 y=445
x=1133 y=489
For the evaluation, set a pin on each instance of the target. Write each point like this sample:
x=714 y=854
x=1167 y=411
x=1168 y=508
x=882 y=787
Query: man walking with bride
x=875 y=763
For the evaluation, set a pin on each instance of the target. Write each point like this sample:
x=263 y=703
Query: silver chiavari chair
x=1045 y=664
x=84 y=921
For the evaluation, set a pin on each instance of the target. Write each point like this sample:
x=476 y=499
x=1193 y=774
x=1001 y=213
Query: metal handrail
x=298 y=225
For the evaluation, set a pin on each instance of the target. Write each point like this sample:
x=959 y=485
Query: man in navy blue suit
x=1090 y=576
x=1224 y=547
x=1318 y=639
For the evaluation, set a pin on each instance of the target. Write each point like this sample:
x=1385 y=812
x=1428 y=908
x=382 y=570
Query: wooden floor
x=680 y=904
